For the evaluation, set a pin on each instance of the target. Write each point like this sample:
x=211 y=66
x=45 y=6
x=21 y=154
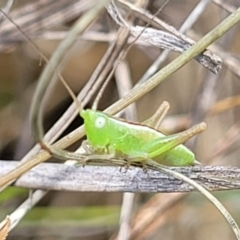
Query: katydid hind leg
x=156 y=119
x=163 y=144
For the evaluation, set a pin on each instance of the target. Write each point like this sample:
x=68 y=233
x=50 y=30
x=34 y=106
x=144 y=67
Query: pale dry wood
x=53 y=176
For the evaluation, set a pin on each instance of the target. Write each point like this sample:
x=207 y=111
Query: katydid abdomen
x=178 y=156
x=136 y=141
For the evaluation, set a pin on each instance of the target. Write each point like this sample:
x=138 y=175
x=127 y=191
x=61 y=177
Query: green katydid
x=137 y=141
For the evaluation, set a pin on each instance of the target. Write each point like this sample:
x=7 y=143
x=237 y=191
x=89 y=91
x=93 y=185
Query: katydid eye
x=100 y=122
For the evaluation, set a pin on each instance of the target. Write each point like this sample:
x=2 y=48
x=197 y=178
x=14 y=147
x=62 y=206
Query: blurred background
x=194 y=93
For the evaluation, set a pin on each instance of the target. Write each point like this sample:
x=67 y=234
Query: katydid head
x=96 y=126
